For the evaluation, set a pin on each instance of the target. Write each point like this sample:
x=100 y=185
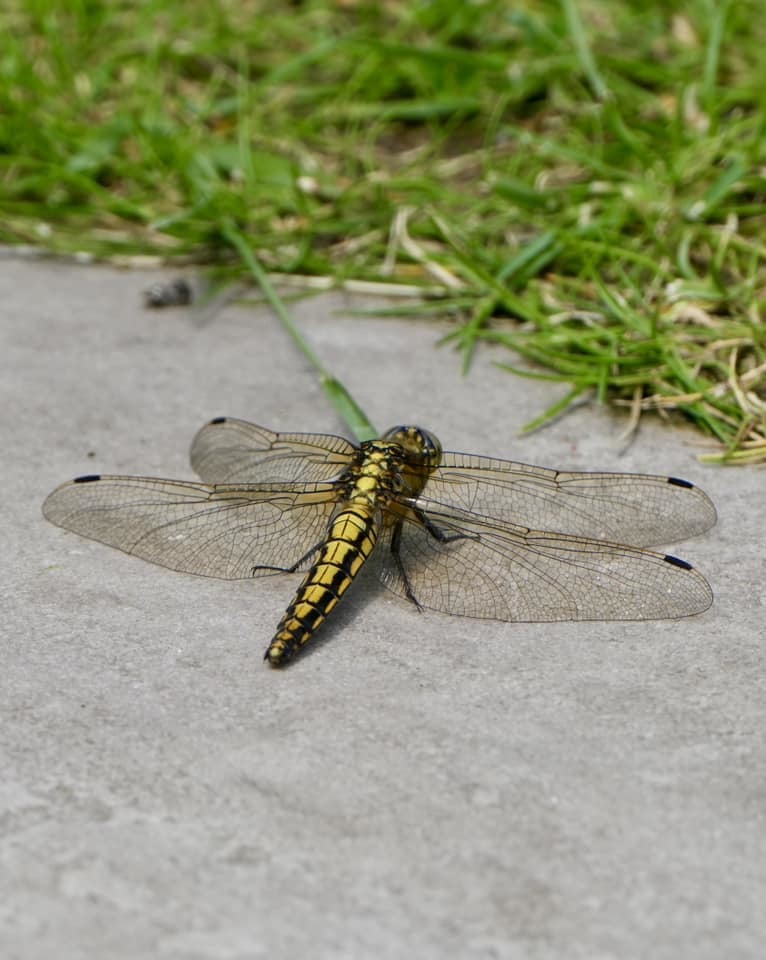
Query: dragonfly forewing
x=228 y=531
x=638 y=509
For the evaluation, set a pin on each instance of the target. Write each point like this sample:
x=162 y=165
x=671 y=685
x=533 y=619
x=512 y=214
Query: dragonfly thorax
x=415 y=453
x=377 y=474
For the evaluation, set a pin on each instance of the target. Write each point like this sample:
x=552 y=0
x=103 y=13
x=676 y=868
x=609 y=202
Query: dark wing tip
x=219 y=420
x=88 y=478
x=678 y=482
x=677 y=562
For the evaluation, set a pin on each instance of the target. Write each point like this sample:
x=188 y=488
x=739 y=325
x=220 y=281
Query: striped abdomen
x=350 y=541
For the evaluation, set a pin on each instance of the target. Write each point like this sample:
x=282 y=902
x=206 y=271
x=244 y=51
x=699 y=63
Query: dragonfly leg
x=395 y=545
x=438 y=534
x=296 y=566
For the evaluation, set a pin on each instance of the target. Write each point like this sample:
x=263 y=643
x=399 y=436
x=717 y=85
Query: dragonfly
x=458 y=533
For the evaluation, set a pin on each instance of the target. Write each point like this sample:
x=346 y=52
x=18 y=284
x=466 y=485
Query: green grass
x=581 y=182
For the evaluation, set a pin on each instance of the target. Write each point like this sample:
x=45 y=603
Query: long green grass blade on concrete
x=336 y=392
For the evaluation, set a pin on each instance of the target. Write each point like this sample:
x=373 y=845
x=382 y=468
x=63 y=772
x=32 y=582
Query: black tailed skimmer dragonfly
x=454 y=532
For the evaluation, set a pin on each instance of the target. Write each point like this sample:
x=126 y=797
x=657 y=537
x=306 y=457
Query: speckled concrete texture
x=414 y=786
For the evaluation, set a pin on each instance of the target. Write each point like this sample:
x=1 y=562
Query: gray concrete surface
x=419 y=785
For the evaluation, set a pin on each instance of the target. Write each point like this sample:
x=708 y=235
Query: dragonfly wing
x=481 y=568
x=227 y=450
x=620 y=507
x=214 y=531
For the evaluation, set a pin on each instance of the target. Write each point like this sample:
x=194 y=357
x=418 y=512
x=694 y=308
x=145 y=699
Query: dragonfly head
x=421 y=447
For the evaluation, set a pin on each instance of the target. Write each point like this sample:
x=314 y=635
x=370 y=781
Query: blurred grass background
x=582 y=182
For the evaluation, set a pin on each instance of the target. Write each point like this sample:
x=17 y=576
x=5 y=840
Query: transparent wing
x=235 y=451
x=620 y=507
x=213 y=531
x=501 y=571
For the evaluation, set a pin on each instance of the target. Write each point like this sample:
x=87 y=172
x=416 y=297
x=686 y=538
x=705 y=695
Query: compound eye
x=431 y=445
x=395 y=435
x=419 y=445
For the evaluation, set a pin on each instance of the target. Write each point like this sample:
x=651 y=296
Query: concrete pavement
x=416 y=786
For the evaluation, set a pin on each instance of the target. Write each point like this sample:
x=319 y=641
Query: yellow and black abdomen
x=349 y=543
